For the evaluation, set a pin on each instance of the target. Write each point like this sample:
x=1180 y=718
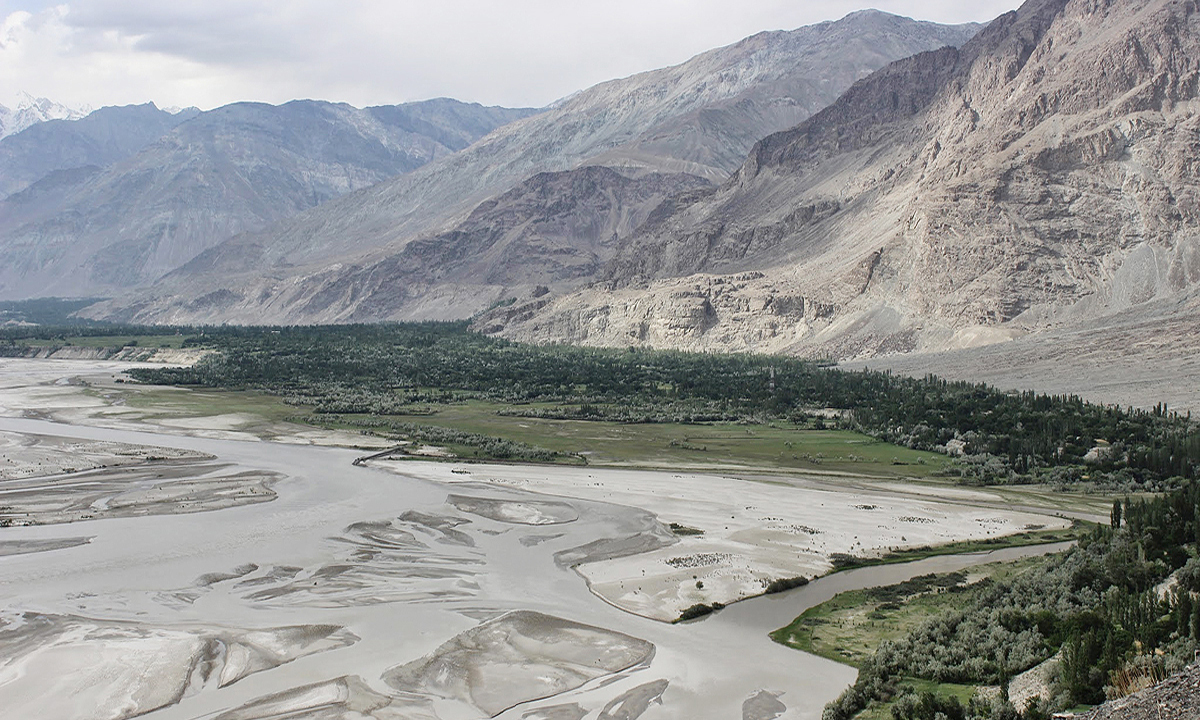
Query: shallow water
x=388 y=558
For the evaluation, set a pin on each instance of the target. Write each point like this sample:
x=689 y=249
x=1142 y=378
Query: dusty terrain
x=1127 y=360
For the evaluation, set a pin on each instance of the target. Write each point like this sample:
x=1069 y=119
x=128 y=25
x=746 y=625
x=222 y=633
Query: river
x=157 y=572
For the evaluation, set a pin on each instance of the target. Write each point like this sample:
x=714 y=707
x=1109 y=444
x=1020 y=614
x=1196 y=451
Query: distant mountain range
x=93 y=141
x=690 y=122
x=114 y=200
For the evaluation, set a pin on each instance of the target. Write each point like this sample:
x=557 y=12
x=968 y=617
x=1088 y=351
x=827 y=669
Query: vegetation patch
x=201 y=402
x=849 y=627
x=465 y=444
x=779 y=585
x=1078 y=529
x=698 y=610
x=55 y=312
x=1102 y=606
x=690 y=408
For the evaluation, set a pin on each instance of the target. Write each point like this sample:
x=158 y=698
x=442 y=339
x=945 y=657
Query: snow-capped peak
x=33 y=110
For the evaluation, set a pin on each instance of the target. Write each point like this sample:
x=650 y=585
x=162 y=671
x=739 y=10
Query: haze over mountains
x=89 y=143
x=172 y=189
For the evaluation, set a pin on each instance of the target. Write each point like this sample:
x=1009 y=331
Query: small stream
x=771 y=612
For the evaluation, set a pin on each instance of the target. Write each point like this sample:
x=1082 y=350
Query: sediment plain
x=410 y=589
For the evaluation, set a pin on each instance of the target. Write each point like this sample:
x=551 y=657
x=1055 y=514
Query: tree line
x=387 y=369
x=1001 y=436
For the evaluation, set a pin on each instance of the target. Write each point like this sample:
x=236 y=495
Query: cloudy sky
x=499 y=52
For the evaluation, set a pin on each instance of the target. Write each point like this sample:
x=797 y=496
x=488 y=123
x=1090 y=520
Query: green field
x=145 y=341
x=205 y=403
x=848 y=627
x=776 y=445
x=883 y=711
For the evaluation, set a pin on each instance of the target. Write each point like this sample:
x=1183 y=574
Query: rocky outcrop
x=699 y=118
x=742 y=312
x=1041 y=176
x=1176 y=697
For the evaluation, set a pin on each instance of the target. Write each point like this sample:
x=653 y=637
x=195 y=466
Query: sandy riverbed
x=93 y=393
x=67 y=667
x=416 y=592
x=26 y=455
x=752 y=532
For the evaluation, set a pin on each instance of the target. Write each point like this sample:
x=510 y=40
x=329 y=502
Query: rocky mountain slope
x=235 y=169
x=95 y=141
x=547 y=232
x=697 y=119
x=1041 y=177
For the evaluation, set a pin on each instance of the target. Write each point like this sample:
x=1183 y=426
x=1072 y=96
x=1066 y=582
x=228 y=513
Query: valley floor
x=237 y=565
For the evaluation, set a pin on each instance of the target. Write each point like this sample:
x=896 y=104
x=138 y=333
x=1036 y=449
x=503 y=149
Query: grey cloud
x=217 y=32
x=516 y=52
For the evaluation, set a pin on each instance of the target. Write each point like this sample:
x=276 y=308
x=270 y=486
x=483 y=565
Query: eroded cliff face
x=1177 y=697
x=1043 y=175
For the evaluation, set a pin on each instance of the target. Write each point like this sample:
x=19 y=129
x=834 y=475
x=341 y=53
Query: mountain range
x=147 y=191
x=688 y=121
x=1040 y=177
